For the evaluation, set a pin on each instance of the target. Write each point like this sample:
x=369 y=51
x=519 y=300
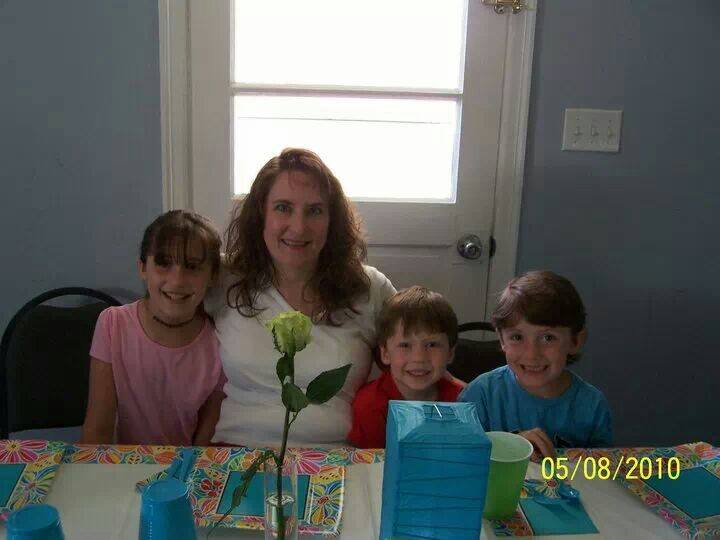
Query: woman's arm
x=99 y=426
x=207 y=419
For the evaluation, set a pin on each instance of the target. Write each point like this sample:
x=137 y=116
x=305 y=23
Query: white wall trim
x=511 y=157
x=211 y=109
x=174 y=100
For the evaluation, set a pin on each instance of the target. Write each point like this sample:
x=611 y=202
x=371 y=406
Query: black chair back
x=473 y=357
x=45 y=361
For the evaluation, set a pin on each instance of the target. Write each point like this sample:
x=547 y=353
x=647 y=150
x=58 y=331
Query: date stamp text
x=592 y=468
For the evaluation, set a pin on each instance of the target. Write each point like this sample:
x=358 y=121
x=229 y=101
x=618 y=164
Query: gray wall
x=635 y=231
x=80 y=172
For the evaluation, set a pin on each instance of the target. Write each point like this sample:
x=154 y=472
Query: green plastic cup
x=509 y=459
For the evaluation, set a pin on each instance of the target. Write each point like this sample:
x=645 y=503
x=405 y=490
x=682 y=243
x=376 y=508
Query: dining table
x=97 y=499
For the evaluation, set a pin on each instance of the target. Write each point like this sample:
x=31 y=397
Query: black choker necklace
x=173 y=325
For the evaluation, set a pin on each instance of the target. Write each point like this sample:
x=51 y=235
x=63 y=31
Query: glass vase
x=280 y=512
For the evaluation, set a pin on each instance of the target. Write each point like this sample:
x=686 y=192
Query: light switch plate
x=592 y=130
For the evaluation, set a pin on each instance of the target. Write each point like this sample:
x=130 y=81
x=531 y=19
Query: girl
x=155 y=372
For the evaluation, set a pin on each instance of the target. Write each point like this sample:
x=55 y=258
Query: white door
x=413 y=237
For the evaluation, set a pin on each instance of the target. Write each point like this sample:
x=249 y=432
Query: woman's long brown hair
x=339 y=279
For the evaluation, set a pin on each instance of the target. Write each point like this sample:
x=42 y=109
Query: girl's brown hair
x=542 y=298
x=339 y=278
x=170 y=235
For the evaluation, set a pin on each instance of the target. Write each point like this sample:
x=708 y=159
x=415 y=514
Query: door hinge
x=493 y=245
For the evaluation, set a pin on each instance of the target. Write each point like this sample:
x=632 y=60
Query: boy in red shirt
x=416 y=332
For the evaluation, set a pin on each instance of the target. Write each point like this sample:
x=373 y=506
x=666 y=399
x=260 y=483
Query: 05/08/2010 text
x=631 y=468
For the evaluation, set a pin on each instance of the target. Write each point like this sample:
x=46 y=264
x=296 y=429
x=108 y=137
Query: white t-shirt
x=253 y=413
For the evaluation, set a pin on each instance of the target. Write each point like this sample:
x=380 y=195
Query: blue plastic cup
x=165 y=512
x=35 y=522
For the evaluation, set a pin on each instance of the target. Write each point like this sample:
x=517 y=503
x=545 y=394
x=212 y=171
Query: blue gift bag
x=435 y=475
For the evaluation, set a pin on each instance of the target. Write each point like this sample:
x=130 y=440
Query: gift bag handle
x=433 y=411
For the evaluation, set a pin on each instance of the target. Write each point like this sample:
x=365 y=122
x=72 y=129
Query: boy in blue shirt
x=540 y=320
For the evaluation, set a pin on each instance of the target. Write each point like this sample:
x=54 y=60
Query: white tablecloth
x=100 y=502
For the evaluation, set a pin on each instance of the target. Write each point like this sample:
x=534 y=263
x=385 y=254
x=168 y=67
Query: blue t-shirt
x=579 y=418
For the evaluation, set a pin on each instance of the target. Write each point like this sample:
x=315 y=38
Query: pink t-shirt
x=159 y=389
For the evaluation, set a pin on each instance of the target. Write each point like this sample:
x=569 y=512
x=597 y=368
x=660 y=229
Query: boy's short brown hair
x=542 y=298
x=418 y=308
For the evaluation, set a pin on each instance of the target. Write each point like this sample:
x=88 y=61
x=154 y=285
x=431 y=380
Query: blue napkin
x=9 y=475
x=252 y=504
x=564 y=518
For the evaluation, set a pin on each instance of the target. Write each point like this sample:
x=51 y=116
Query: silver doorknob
x=470 y=246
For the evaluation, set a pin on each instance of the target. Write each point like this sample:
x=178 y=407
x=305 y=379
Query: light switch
x=592 y=130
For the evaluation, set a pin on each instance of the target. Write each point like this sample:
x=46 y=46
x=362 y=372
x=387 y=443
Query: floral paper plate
x=27 y=470
x=325 y=481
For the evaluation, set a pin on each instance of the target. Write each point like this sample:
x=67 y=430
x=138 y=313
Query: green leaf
x=294 y=398
x=284 y=368
x=327 y=384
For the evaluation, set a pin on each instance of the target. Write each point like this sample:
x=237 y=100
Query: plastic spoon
x=540 y=498
x=566 y=491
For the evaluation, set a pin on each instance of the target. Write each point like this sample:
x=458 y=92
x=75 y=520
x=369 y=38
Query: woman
x=294 y=243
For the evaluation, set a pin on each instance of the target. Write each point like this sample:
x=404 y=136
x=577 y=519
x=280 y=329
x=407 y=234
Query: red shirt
x=370 y=408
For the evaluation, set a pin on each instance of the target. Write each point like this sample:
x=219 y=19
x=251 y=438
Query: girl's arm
x=207 y=419
x=99 y=426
